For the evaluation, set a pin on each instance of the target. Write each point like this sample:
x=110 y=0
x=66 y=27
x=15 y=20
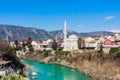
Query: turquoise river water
x=52 y=72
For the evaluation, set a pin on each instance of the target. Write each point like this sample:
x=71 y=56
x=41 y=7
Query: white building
x=46 y=45
x=36 y=45
x=69 y=43
x=89 y=42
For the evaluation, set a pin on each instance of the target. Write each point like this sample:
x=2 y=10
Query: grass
x=14 y=76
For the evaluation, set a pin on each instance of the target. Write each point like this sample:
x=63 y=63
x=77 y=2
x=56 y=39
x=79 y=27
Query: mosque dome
x=73 y=37
x=49 y=40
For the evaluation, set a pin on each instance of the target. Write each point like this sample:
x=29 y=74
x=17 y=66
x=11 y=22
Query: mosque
x=69 y=43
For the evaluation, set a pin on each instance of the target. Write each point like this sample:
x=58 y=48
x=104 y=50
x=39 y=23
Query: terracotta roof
x=113 y=34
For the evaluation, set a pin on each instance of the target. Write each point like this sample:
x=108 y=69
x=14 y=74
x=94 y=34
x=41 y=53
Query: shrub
x=63 y=52
x=60 y=48
x=113 y=50
x=71 y=61
x=37 y=52
x=46 y=52
x=6 y=78
x=0 y=77
x=89 y=57
x=117 y=55
x=14 y=77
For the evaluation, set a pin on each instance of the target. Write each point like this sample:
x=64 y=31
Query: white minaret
x=65 y=36
x=6 y=38
x=65 y=31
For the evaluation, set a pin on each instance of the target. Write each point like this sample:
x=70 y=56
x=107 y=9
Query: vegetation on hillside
x=14 y=76
x=99 y=66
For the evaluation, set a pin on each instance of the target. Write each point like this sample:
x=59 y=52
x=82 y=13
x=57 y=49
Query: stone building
x=69 y=43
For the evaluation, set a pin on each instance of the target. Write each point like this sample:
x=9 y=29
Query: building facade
x=69 y=43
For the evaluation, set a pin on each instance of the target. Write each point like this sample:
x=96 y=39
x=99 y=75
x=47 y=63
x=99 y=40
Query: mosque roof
x=73 y=37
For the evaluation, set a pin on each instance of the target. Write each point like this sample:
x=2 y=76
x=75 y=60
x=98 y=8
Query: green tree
x=101 y=49
x=114 y=50
x=23 y=46
x=18 y=47
x=30 y=45
x=81 y=43
x=54 y=45
x=16 y=43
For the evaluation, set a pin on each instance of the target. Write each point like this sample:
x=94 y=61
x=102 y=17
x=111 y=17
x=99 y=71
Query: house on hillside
x=46 y=45
x=117 y=39
x=90 y=43
x=36 y=45
x=107 y=44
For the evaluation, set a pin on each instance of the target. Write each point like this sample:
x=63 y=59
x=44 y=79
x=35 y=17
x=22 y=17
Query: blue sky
x=81 y=15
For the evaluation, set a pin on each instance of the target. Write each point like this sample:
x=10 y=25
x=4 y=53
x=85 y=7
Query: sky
x=80 y=15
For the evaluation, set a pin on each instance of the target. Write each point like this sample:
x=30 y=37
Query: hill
x=21 y=33
x=59 y=33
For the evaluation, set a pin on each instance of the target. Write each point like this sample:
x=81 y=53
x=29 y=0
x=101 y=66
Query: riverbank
x=99 y=67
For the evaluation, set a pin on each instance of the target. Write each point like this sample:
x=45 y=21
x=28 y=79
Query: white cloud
x=109 y=18
x=116 y=31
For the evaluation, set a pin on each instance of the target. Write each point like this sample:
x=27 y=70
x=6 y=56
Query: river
x=52 y=72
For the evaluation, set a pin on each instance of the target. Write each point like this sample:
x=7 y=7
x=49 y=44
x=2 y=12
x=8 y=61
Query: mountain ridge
x=21 y=33
x=83 y=34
